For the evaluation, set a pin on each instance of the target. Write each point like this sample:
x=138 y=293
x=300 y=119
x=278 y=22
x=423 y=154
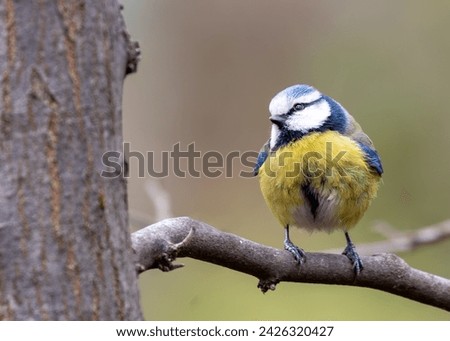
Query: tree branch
x=403 y=241
x=158 y=245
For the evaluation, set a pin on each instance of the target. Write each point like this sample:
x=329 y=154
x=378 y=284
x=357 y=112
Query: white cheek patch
x=274 y=134
x=309 y=118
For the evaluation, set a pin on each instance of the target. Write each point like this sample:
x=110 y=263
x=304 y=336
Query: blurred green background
x=208 y=72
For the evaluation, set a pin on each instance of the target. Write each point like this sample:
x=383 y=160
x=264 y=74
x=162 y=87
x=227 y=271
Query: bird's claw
x=351 y=254
x=298 y=253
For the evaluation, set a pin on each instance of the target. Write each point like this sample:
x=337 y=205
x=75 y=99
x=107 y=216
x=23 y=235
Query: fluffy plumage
x=318 y=170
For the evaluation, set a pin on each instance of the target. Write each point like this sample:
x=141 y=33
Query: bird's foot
x=298 y=253
x=351 y=254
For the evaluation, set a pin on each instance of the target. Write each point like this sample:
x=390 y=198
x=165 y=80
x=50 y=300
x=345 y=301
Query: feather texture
x=320 y=182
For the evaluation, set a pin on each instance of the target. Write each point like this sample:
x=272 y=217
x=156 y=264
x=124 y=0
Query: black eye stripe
x=301 y=106
x=292 y=111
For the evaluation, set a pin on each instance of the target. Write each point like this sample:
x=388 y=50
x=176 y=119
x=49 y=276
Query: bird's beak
x=278 y=120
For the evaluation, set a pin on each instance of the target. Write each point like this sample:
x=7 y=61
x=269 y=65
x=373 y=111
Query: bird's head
x=302 y=109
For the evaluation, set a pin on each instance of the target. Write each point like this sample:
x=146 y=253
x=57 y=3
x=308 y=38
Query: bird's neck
x=288 y=136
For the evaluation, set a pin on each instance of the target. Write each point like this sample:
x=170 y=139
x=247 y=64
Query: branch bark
x=158 y=245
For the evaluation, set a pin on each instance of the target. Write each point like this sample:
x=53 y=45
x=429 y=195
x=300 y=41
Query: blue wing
x=354 y=131
x=262 y=156
x=372 y=158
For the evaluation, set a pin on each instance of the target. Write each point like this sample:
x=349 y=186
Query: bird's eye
x=299 y=106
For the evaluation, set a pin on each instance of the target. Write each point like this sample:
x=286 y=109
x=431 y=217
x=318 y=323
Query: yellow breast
x=333 y=167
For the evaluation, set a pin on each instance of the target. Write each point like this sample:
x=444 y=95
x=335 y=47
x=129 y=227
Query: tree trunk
x=65 y=251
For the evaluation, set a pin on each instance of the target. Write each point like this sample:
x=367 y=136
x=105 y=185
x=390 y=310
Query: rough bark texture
x=158 y=245
x=65 y=249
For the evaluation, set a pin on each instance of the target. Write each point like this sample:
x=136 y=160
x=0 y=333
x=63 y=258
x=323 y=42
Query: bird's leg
x=298 y=253
x=351 y=254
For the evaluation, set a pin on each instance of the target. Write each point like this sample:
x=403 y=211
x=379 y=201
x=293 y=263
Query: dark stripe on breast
x=311 y=198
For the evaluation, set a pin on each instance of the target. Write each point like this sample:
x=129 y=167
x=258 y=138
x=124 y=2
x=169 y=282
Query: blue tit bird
x=318 y=171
